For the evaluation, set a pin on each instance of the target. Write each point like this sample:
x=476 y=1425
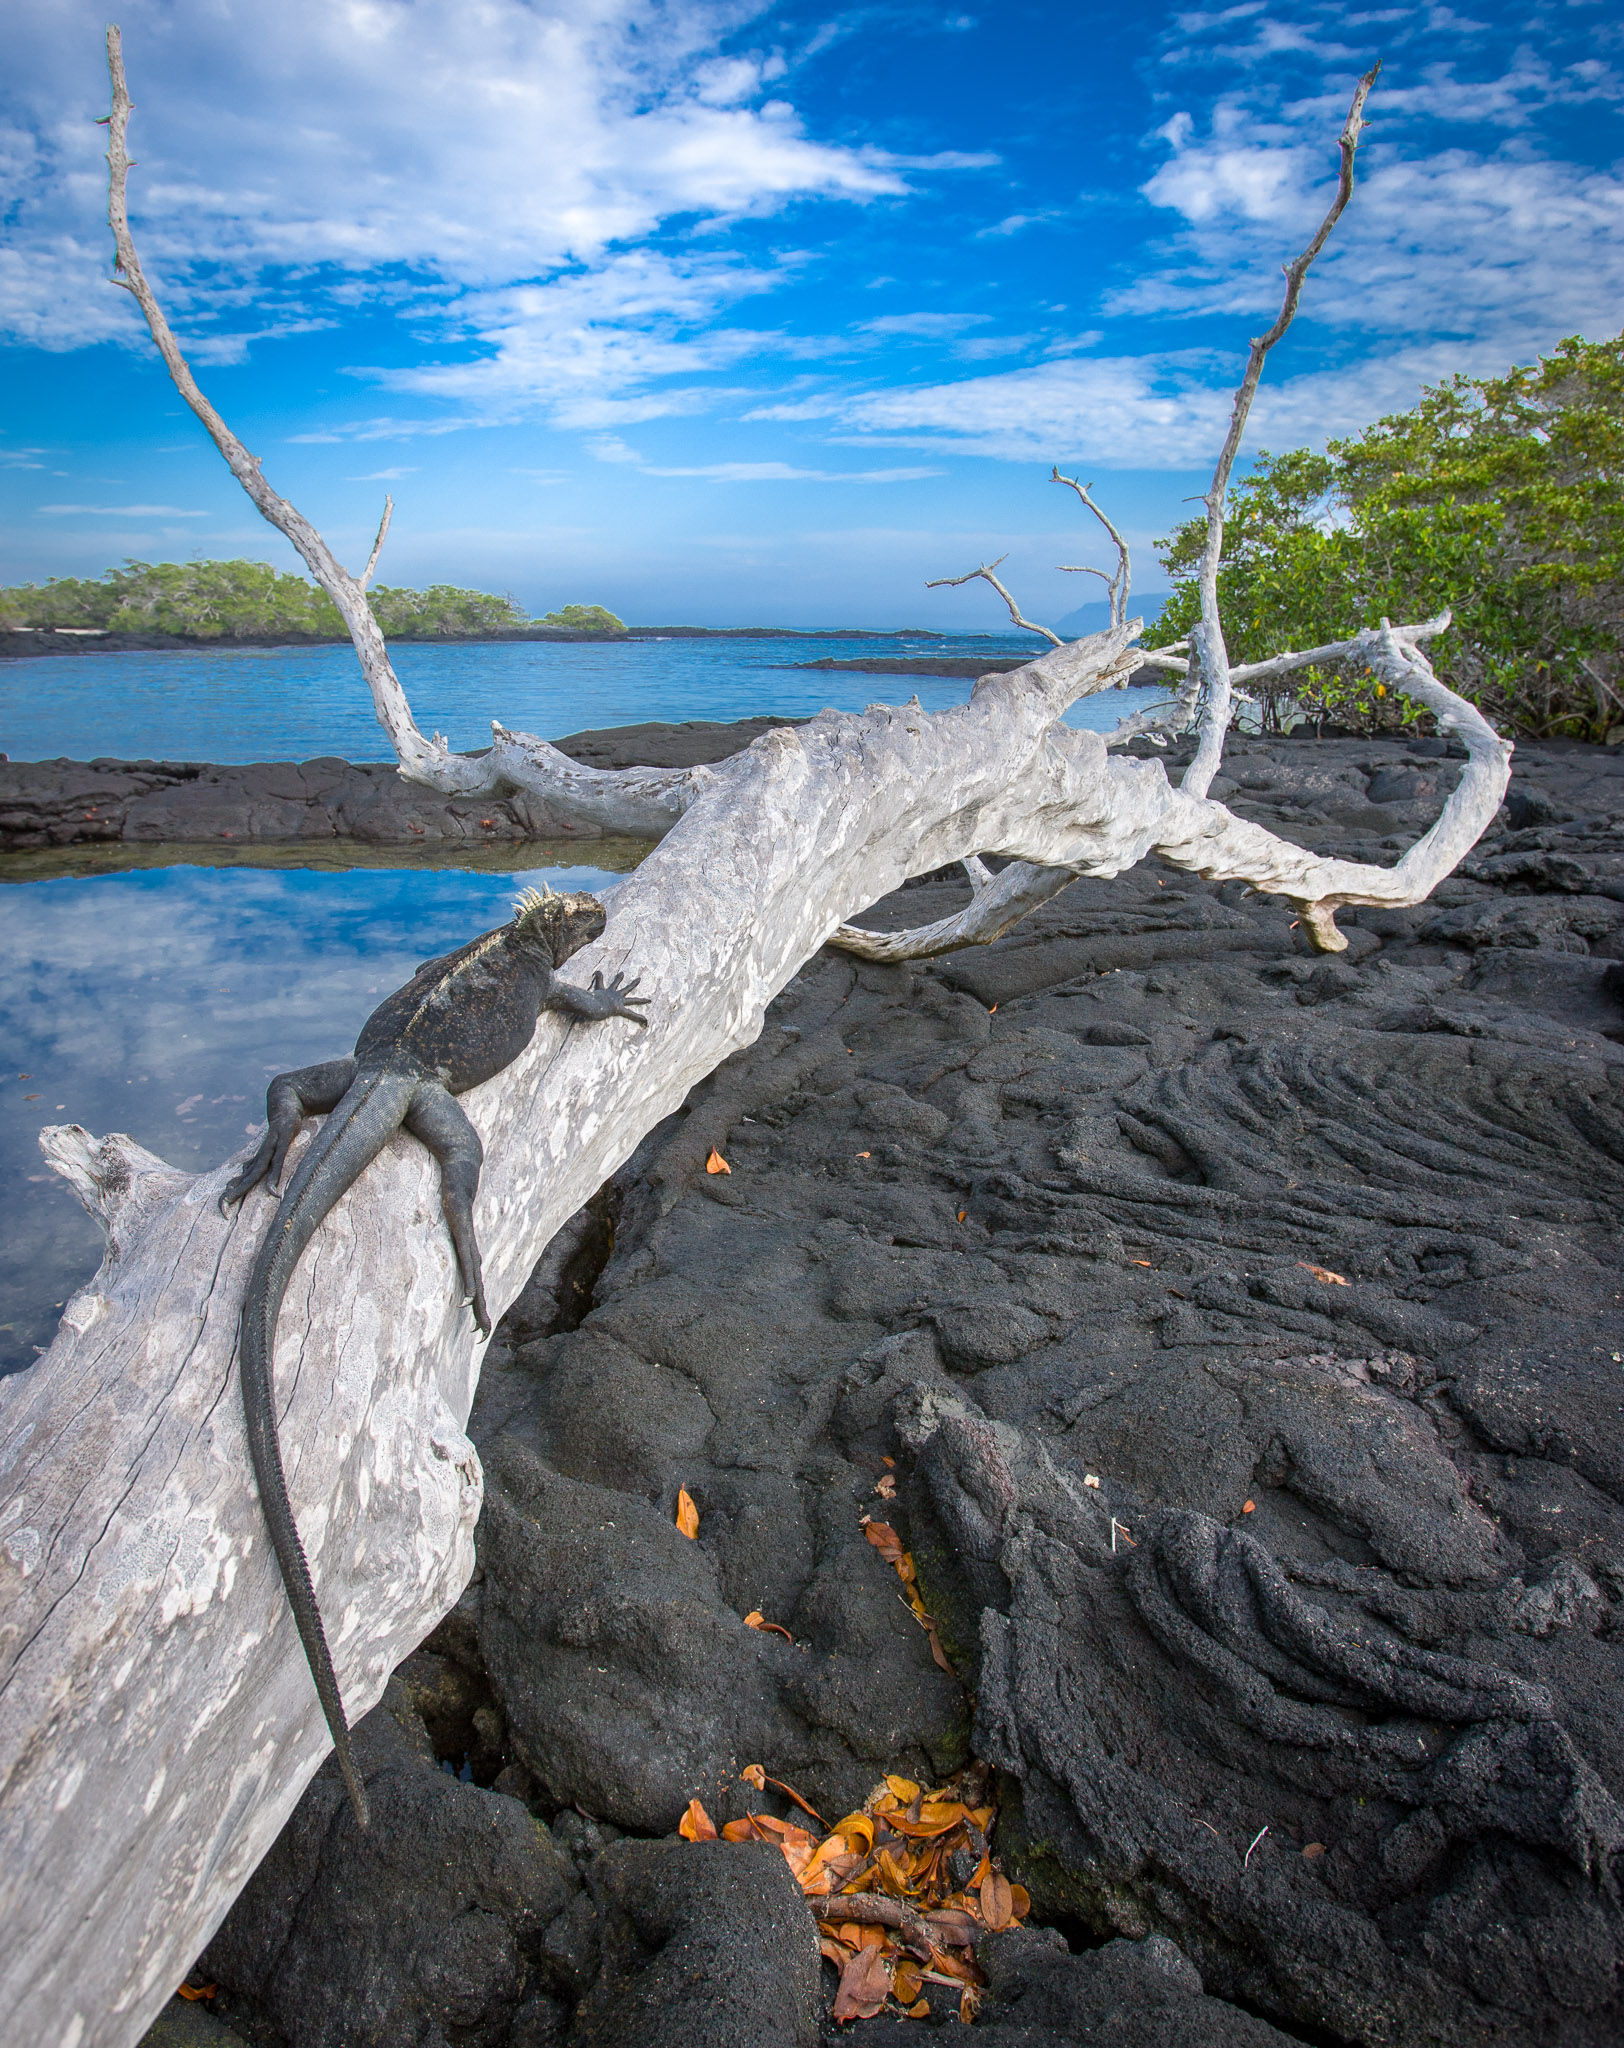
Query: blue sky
x=734 y=314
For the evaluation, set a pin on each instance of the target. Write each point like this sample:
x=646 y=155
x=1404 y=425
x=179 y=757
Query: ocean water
x=159 y=1000
x=292 y=704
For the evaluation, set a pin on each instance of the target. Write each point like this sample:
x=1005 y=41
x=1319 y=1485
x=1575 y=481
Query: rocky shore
x=1233 y=1338
x=292 y=803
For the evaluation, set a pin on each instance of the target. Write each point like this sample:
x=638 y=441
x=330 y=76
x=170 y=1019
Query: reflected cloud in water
x=160 y=1002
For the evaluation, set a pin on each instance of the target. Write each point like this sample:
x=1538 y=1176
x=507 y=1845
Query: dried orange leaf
x=904 y=1788
x=754 y=1774
x=969 y=2003
x=919 y=2010
x=696 y=1824
x=906 y=1981
x=741 y=1831
x=997 y=1901
x=961 y=1216
x=193 y=1991
x=687 y=1513
x=1324 y=1273
x=835 y=1952
x=885 y=1540
x=716 y=1163
x=865 y=1985
x=1020 y=1901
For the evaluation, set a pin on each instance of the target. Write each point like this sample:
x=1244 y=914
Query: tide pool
x=160 y=1002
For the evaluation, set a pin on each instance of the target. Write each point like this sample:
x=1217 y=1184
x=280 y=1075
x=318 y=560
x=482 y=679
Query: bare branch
x=1207 y=641
x=365 y=576
x=996 y=904
x=1337 y=650
x=388 y=698
x=986 y=573
x=1121 y=583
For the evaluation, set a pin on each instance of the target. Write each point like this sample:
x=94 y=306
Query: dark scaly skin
x=459 y=1020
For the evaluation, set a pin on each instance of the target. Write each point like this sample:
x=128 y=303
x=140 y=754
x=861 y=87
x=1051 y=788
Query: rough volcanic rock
x=1234 y=1337
x=454 y=1918
x=704 y=1945
x=76 y=803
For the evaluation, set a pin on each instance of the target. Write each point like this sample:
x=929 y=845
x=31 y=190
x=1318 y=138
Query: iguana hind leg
x=306 y=1091
x=436 y=1119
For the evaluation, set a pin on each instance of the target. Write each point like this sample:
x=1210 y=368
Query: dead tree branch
x=365 y=576
x=985 y=572
x=347 y=592
x=1119 y=585
x=1209 y=676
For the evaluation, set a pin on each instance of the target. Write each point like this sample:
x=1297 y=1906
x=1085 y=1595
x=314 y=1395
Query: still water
x=160 y=1002
x=157 y=1000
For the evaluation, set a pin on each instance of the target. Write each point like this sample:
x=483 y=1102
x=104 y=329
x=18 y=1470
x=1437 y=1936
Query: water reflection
x=159 y=1001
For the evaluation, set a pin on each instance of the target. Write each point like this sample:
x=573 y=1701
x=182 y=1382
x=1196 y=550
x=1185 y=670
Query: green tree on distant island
x=1500 y=497
x=583 y=618
x=250 y=600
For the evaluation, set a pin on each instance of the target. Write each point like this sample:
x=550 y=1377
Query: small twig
x=365 y=576
x=986 y=573
x=1262 y=1831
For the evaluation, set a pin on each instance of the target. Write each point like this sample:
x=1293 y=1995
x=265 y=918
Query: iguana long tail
x=352 y=1137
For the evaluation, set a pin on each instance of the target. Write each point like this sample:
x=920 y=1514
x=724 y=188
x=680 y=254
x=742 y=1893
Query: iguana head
x=561 y=925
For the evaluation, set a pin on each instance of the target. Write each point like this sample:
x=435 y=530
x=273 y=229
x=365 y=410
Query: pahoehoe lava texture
x=1245 y=1328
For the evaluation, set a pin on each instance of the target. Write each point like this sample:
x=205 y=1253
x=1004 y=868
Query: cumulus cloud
x=455 y=146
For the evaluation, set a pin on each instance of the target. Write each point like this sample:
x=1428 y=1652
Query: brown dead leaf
x=886 y=1541
x=194 y=1991
x=919 y=2010
x=834 y=1951
x=886 y=1486
x=961 y=1215
x=865 y=1155
x=1139 y=1262
x=754 y=1774
x=1313 y=1849
x=1020 y=1901
x=952 y=1926
x=865 y=1985
x=771 y=1628
x=969 y=2004
x=997 y=1901
x=687 y=1514
x=938 y=1653
x=1324 y=1273
x=696 y=1824
x=1248 y=1507
x=716 y=1163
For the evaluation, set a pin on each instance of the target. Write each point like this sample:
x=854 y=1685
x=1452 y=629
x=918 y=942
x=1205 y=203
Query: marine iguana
x=459 y=1020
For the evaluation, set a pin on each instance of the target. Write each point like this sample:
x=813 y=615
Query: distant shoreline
x=26 y=643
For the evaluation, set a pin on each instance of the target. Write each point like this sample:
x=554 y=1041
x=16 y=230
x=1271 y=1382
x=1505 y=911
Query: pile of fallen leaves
x=901 y=1890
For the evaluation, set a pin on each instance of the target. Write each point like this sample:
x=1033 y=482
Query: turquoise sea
x=159 y=1000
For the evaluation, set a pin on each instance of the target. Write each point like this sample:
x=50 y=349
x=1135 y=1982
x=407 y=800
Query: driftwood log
x=157 y=1719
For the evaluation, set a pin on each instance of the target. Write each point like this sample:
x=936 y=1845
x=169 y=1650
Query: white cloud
x=383 y=476
x=783 y=472
x=425 y=147
x=930 y=326
x=129 y=511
